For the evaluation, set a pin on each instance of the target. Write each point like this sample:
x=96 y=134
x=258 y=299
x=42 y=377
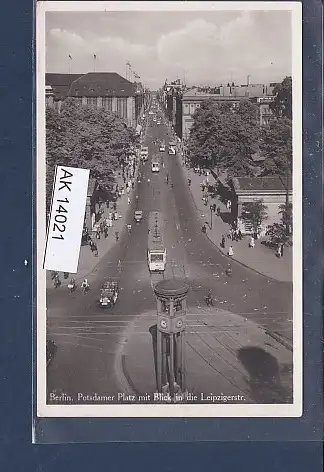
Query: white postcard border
x=180 y=410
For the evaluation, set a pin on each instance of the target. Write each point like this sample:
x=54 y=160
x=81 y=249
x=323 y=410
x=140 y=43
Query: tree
x=254 y=213
x=286 y=216
x=281 y=233
x=224 y=137
x=277 y=235
x=86 y=137
x=282 y=104
x=276 y=145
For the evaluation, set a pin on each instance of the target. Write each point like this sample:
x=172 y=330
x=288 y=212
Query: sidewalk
x=220 y=350
x=87 y=260
x=260 y=258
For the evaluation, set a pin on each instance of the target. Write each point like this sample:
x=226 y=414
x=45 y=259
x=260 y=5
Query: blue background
x=17 y=236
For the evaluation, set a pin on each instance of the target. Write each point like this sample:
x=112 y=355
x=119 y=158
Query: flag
x=70 y=56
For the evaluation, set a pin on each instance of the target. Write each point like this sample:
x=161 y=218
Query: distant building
x=102 y=89
x=171 y=97
x=260 y=94
x=57 y=88
x=272 y=190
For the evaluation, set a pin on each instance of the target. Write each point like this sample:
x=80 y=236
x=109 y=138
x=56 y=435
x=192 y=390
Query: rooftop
x=267 y=184
x=171 y=287
x=60 y=83
x=102 y=84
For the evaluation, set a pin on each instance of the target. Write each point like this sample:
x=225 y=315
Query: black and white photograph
x=184 y=120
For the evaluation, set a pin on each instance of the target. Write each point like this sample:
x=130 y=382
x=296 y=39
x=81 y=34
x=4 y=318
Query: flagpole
x=94 y=63
x=70 y=63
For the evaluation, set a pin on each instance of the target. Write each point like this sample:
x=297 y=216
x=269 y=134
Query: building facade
x=260 y=94
x=108 y=90
x=273 y=191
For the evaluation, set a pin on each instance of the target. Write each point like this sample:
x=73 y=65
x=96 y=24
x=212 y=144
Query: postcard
x=169 y=209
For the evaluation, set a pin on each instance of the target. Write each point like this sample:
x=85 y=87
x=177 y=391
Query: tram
x=156 y=252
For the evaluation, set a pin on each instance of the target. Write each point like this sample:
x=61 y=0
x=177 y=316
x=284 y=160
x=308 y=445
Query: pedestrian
x=228 y=204
x=252 y=242
x=223 y=242
x=218 y=211
x=203 y=229
x=115 y=206
x=98 y=234
x=281 y=250
x=239 y=234
x=96 y=253
x=214 y=207
x=128 y=200
x=94 y=247
x=230 y=251
x=203 y=186
x=106 y=232
x=133 y=185
x=189 y=182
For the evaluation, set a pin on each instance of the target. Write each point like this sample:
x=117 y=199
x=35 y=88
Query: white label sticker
x=67 y=219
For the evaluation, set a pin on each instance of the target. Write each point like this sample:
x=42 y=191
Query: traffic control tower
x=171 y=324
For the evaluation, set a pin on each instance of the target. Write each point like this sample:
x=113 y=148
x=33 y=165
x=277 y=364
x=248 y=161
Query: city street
x=90 y=340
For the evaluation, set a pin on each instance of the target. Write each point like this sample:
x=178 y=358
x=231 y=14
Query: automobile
x=144 y=153
x=51 y=349
x=138 y=215
x=155 y=166
x=162 y=147
x=171 y=151
x=109 y=293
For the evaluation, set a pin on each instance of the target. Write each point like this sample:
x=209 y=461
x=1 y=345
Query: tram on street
x=156 y=251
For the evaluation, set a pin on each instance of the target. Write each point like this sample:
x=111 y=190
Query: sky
x=201 y=47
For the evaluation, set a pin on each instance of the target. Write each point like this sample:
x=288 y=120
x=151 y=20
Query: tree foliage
x=281 y=233
x=278 y=235
x=86 y=137
x=276 y=145
x=285 y=210
x=282 y=104
x=254 y=213
x=224 y=137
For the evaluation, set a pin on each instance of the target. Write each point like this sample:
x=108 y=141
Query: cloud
x=64 y=36
x=210 y=51
x=211 y=47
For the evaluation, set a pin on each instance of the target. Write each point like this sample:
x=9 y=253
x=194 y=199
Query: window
x=122 y=107
x=107 y=103
x=186 y=109
x=156 y=257
x=177 y=305
x=92 y=101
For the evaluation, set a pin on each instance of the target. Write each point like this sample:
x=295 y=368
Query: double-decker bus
x=156 y=252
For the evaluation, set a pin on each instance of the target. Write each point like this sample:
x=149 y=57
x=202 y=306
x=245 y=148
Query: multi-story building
x=258 y=93
x=171 y=97
x=102 y=89
x=57 y=88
